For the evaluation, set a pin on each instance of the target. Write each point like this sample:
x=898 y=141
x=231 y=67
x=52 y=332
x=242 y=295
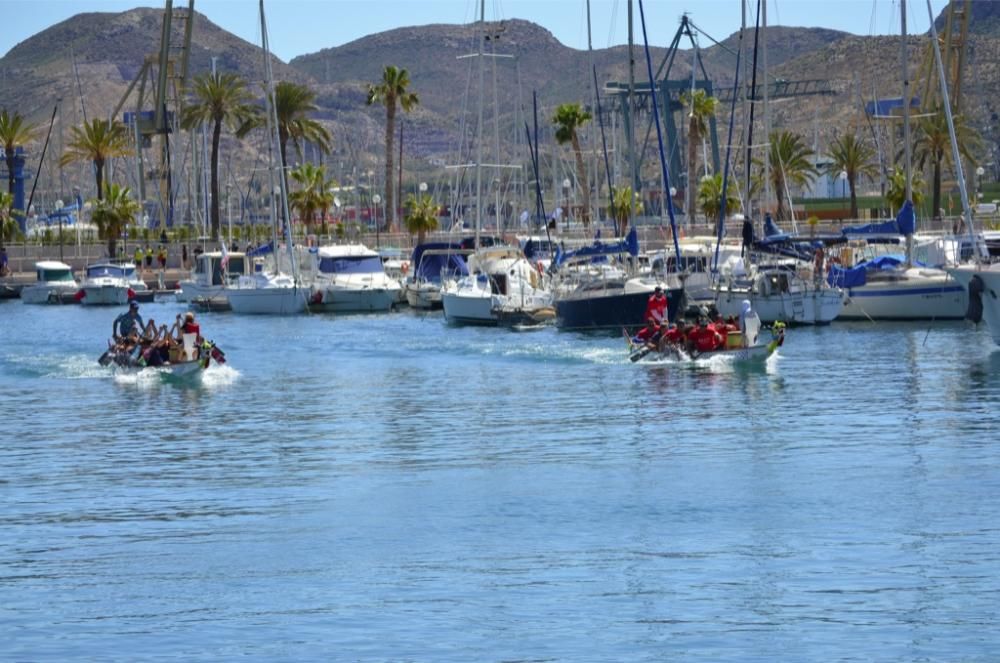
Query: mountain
x=97 y=56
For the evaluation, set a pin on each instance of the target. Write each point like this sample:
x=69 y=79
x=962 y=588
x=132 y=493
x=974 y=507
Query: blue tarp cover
x=904 y=224
x=628 y=245
x=429 y=268
x=853 y=277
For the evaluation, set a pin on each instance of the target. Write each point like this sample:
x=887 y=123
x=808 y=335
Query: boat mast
x=907 y=160
x=272 y=116
x=767 y=109
x=479 y=126
x=956 y=157
x=629 y=120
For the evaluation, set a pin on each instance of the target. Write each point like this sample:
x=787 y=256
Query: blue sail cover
x=853 y=277
x=431 y=267
x=261 y=250
x=771 y=229
x=600 y=249
x=904 y=224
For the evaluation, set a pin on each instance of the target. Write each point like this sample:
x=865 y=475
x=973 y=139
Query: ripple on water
x=393 y=487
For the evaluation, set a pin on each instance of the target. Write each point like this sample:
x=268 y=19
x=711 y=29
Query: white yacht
x=264 y=293
x=110 y=283
x=778 y=294
x=350 y=278
x=54 y=281
x=880 y=286
x=209 y=278
x=501 y=288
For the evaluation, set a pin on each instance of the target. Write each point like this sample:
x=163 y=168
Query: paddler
x=127 y=323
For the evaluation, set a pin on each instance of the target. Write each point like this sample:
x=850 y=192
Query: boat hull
x=47 y=294
x=470 y=309
x=105 y=295
x=990 y=296
x=898 y=300
x=267 y=301
x=755 y=354
x=343 y=300
x=610 y=309
x=423 y=296
x=810 y=307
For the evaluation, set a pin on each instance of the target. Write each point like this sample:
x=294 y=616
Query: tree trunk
x=854 y=196
x=99 y=175
x=9 y=158
x=216 y=134
x=937 y=189
x=390 y=127
x=581 y=180
x=692 y=180
x=421 y=236
x=112 y=247
x=779 y=194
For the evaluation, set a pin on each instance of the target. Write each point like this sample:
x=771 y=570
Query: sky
x=298 y=27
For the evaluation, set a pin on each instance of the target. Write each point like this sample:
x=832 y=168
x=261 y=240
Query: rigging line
x=659 y=134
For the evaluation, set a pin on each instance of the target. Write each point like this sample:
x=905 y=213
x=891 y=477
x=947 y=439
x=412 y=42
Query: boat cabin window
x=688 y=263
x=113 y=271
x=351 y=265
x=235 y=267
x=55 y=275
x=775 y=284
x=498 y=284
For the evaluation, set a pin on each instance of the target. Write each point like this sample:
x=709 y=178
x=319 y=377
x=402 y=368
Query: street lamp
x=566 y=184
x=59 y=206
x=842 y=176
x=980 y=171
x=376 y=199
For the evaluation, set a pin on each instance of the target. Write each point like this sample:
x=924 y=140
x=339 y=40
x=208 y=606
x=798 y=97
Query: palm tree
x=219 y=99
x=393 y=89
x=14 y=133
x=895 y=195
x=624 y=204
x=702 y=110
x=292 y=104
x=933 y=143
x=9 y=228
x=313 y=193
x=568 y=119
x=113 y=212
x=421 y=216
x=710 y=198
x=97 y=141
x=788 y=156
x=853 y=157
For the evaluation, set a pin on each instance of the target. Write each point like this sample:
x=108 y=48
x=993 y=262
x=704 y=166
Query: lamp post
x=59 y=207
x=980 y=171
x=376 y=199
x=842 y=177
x=566 y=184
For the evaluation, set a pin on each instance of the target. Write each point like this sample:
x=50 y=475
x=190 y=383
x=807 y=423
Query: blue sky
x=297 y=27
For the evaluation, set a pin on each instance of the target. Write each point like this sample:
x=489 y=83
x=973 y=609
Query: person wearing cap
x=656 y=307
x=127 y=323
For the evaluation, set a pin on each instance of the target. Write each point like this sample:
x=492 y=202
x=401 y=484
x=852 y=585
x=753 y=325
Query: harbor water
x=387 y=487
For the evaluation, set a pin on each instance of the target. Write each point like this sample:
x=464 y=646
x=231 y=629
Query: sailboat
x=502 y=286
x=901 y=291
x=271 y=292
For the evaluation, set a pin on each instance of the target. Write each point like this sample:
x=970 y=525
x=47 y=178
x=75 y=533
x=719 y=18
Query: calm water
x=389 y=488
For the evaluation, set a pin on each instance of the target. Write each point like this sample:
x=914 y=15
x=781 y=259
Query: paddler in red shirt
x=656 y=306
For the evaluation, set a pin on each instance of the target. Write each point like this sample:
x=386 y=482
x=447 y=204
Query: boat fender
x=974 y=313
x=80 y=294
x=317 y=297
x=131 y=294
x=404 y=268
x=540 y=267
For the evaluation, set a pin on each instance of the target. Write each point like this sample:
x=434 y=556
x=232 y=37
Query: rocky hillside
x=101 y=53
